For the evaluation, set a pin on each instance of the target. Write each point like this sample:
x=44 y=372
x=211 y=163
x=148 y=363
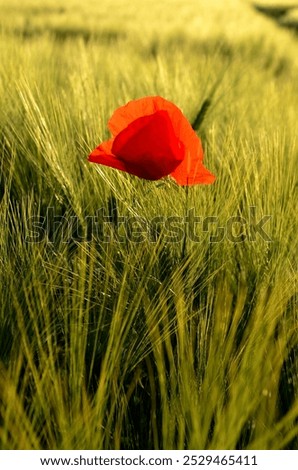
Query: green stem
x=184 y=244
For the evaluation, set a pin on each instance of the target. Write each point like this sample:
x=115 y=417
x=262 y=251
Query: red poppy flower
x=152 y=139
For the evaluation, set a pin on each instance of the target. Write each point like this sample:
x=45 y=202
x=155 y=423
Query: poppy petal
x=103 y=155
x=135 y=109
x=150 y=143
x=192 y=171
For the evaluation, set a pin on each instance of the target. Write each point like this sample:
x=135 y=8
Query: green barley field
x=118 y=328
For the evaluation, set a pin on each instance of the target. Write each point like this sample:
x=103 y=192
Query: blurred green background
x=158 y=344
